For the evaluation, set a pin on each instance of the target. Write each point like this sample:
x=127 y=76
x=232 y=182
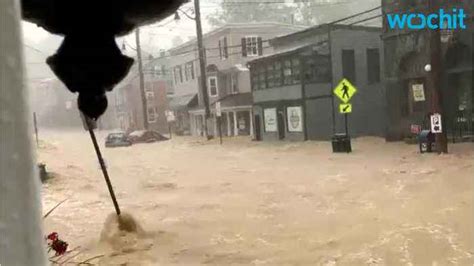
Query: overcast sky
x=153 y=37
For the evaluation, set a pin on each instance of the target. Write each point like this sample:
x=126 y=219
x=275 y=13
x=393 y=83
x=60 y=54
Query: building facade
x=127 y=100
x=410 y=95
x=228 y=49
x=293 y=88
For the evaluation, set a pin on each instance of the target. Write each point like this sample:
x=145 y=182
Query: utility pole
x=202 y=64
x=434 y=80
x=142 y=79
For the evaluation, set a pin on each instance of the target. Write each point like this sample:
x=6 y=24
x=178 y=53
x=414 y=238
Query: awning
x=178 y=103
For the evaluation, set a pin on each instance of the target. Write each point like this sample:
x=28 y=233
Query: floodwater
x=248 y=203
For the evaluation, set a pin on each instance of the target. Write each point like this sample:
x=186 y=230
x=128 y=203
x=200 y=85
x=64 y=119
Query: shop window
x=278 y=74
x=262 y=78
x=295 y=65
x=270 y=75
x=287 y=73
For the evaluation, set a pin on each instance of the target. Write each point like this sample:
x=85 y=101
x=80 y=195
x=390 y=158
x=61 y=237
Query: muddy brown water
x=247 y=203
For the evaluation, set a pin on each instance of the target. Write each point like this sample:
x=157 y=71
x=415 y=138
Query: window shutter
x=244 y=47
x=260 y=45
x=226 y=54
x=220 y=49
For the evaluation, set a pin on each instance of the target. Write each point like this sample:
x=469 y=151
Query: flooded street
x=250 y=203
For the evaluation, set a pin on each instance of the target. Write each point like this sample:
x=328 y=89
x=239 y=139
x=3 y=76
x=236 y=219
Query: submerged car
x=145 y=136
x=117 y=139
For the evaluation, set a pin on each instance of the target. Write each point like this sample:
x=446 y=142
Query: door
x=258 y=133
x=281 y=125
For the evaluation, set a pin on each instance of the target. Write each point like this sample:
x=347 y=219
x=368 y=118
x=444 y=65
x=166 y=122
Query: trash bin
x=426 y=140
x=341 y=143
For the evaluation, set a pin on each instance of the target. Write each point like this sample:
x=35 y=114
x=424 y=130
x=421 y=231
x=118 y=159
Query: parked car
x=117 y=139
x=145 y=136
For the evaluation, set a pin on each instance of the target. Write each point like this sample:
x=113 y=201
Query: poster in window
x=418 y=93
x=270 y=120
x=295 y=119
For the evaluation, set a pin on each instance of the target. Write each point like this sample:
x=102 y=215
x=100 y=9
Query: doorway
x=258 y=133
x=281 y=125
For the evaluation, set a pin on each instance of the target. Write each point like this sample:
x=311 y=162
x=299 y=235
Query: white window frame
x=209 y=86
x=155 y=114
x=250 y=46
x=150 y=95
x=222 y=48
x=232 y=77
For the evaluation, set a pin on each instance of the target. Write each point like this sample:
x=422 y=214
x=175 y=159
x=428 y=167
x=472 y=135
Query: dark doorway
x=281 y=125
x=258 y=133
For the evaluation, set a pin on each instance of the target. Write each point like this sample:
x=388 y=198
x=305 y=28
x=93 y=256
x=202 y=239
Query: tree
x=301 y=12
x=232 y=11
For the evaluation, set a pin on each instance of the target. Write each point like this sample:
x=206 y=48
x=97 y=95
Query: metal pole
x=434 y=81
x=345 y=125
x=220 y=128
x=332 y=81
x=36 y=129
x=202 y=64
x=142 y=78
x=21 y=233
x=103 y=167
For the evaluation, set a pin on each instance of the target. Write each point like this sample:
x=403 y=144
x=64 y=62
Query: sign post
x=219 y=121
x=344 y=91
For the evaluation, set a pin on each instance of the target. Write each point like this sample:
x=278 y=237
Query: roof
x=235 y=26
x=232 y=100
x=322 y=29
x=179 y=102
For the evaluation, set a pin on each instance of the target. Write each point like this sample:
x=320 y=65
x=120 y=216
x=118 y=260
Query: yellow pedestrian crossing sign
x=345 y=108
x=345 y=90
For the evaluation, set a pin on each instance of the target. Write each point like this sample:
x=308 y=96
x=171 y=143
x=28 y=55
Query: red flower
x=56 y=244
x=59 y=246
x=53 y=236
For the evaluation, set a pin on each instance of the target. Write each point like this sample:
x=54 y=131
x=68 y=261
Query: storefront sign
x=269 y=116
x=295 y=119
x=170 y=116
x=418 y=93
x=436 y=126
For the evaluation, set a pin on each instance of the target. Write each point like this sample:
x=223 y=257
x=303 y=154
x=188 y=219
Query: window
x=178 y=74
x=295 y=66
x=156 y=70
x=152 y=114
x=234 y=84
x=262 y=83
x=212 y=86
x=348 y=65
x=180 y=71
x=271 y=75
x=150 y=96
x=252 y=46
x=373 y=66
x=287 y=73
x=277 y=79
x=189 y=71
x=255 y=86
x=223 y=50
